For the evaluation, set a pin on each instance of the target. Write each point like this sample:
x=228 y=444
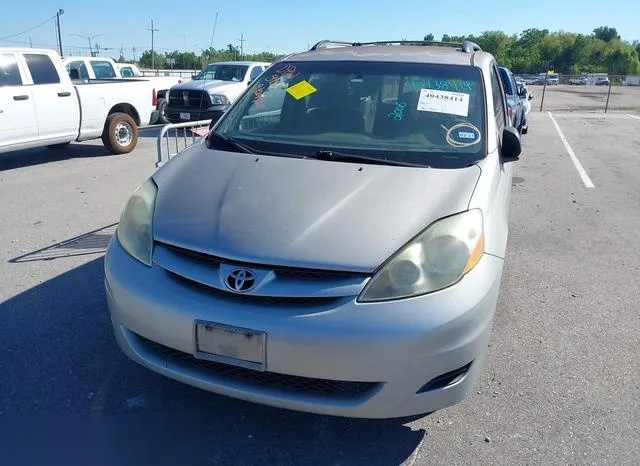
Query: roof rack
x=466 y=46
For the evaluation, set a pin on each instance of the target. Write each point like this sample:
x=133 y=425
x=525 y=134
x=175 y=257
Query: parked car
x=91 y=68
x=41 y=106
x=210 y=93
x=603 y=81
x=515 y=106
x=551 y=79
x=578 y=81
x=525 y=96
x=336 y=243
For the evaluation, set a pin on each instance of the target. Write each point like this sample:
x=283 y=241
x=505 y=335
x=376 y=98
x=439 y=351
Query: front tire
x=162 y=111
x=120 y=134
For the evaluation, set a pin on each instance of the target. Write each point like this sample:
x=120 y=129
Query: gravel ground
x=561 y=383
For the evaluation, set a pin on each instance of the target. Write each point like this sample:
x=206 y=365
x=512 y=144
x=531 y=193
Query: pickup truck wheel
x=162 y=111
x=120 y=135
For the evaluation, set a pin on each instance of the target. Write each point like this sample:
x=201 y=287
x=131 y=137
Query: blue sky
x=290 y=26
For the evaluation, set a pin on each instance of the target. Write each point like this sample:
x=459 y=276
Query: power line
x=30 y=29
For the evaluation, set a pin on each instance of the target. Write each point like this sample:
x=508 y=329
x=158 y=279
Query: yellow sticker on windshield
x=301 y=89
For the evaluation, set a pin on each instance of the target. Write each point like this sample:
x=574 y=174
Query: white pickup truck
x=91 y=68
x=41 y=107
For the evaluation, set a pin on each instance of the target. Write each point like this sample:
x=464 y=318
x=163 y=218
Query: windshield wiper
x=333 y=155
x=234 y=143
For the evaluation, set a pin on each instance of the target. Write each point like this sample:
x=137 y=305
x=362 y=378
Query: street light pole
x=58 y=13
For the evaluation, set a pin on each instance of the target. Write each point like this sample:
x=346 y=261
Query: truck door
x=56 y=101
x=17 y=108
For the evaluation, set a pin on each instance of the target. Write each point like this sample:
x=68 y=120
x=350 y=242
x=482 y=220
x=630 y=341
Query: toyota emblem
x=240 y=280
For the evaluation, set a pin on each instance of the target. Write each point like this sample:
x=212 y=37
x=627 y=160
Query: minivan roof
x=421 y=52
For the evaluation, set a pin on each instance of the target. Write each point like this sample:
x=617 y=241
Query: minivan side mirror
x=511 y=145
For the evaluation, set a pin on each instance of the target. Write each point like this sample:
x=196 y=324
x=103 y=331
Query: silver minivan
x=336 y=243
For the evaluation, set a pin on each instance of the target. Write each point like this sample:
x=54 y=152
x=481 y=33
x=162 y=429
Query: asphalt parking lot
x=561 y=383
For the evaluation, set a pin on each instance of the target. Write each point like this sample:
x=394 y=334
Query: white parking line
x=583 y=174
x=633 y=116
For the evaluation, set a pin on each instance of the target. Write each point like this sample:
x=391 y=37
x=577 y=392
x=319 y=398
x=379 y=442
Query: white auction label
x=453 y=103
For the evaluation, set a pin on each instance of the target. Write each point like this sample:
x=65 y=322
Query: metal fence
x=175 y=73
x=174 y=138
x=586 y=93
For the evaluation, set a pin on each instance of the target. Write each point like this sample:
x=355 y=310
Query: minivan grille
x=270 y=380
x=275 y=301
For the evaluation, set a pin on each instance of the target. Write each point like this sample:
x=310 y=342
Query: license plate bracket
x=227 y=344
x=185 y=116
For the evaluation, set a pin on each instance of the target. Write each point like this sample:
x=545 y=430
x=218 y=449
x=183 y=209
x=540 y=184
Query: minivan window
x=42 y=69
x=498 y=99
x=413 y=113
x=9 y=72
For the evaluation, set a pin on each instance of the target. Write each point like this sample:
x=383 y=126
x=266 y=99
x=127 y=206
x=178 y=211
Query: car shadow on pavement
x=93 y=242
x=67 y=387
x=30 y=157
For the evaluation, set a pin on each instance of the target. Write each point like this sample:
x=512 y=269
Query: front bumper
x=214 y=112
x=375 y=358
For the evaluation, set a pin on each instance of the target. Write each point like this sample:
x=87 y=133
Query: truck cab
x=212 y=91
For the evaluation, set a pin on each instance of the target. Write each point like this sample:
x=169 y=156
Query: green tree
x=448 y=38
x=146 y=60
x=606 y=33
x=429 y=37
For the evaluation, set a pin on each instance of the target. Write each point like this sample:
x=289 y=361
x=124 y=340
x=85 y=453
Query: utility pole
x=242 y=41
x=153 y=55
x=134 y=54
x=89 y=39
x=30 y=43
x=58 y=13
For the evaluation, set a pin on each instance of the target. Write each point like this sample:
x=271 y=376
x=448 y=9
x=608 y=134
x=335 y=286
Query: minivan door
x=18 y=121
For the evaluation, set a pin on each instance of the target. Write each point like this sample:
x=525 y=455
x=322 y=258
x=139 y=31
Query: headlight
x=437 y=258
x=135 y=230
x=218 y=99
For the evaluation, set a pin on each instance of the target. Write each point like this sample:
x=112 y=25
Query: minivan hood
x=300 y=212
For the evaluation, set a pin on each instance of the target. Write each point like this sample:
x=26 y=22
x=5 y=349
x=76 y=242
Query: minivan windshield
x=222 y=73
x=408 y=113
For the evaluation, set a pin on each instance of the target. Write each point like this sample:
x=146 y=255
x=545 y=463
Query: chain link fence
x=595 y=93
